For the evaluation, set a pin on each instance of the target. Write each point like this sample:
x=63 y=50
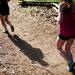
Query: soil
x=31 y=48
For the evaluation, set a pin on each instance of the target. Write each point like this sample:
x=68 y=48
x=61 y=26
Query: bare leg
x=60 y=44
x=9 y=23
x=66 y=53
x=70 y=62
x=67 y=49
x=3 y=22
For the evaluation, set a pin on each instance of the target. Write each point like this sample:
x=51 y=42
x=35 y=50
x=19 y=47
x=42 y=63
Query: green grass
x=37 y=2
x=74 y=1
x=43 y=0
x=40 y=0
x=46 y=0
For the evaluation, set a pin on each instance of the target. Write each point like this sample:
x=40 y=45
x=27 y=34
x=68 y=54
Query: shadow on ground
x=34 y=54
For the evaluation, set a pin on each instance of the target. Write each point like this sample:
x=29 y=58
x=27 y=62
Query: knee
x=67 y=48
x=2 y=20
x=59 y=48
x=5 y=19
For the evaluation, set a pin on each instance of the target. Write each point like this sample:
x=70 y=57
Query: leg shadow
x=34 y=54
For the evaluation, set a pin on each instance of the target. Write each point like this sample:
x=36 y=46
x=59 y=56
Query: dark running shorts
x=65 y=37
x=4 y=10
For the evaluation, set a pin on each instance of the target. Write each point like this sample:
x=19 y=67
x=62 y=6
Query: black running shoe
x=6 y=31
x=12 y=28
x=70 y=67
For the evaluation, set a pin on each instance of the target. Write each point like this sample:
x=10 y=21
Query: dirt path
x=31 y=49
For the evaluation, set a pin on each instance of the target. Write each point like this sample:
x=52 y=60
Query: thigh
x=60 y=43
x=1 y=17
x=6 y=17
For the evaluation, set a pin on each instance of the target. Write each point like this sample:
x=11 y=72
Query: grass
x=46 y=0
x=37 y=2
x=40 y=0
x=43 y=0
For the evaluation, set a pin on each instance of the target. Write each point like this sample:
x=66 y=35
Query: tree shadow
x=34 y=54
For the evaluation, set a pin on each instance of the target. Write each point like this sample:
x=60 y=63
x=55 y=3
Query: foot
x=73 y=72
x=12 y=28
x=70 y=66
x=6 y=31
